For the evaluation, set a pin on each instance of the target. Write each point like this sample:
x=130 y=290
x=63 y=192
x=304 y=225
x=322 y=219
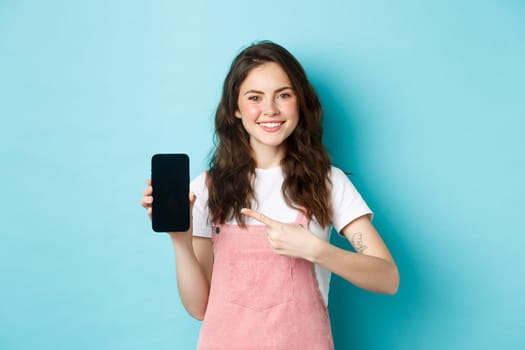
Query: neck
x=268 y=157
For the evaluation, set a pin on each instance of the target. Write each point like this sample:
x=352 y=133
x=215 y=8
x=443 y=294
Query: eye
x=285 y=94
x=254 y=98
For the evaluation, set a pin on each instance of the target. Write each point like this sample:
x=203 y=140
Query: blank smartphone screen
x=170 y=178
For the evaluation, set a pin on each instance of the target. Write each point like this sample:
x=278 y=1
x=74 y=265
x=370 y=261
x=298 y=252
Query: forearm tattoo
x=357 y=241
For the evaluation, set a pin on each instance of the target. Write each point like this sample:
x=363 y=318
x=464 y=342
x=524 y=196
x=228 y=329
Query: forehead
x=267 y=76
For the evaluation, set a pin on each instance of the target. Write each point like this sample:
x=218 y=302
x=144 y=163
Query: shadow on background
x=361 y=319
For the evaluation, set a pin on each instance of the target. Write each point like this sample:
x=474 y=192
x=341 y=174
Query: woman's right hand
x=147 y=201
x=194 y=261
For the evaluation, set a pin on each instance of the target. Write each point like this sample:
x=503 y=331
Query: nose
x=270 y=108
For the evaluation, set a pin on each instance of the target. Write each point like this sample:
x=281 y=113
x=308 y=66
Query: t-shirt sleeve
x=347 y=203
x=201 y=222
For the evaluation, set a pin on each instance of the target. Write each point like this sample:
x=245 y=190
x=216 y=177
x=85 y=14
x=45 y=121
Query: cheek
x=250 y=110
x=291 y=108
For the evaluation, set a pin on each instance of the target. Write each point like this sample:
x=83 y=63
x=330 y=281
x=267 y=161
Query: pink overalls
x=259 y=299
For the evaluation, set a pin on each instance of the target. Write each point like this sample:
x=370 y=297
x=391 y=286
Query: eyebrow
x=260 y=92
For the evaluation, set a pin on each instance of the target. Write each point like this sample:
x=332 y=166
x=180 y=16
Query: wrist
x=316 y=250
x=181 y=240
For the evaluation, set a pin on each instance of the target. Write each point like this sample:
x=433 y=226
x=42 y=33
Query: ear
x=238 y=114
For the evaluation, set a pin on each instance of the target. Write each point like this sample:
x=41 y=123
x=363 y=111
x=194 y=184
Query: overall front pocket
x=259 y=280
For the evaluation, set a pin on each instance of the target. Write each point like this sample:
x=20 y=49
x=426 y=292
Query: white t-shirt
x=347 y=205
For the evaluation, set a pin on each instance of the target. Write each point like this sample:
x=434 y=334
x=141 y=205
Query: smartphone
x=170 y=179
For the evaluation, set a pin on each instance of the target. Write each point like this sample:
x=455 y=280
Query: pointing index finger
x=257 y=216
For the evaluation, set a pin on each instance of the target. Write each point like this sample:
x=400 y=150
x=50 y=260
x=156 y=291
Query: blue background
x=425 y=105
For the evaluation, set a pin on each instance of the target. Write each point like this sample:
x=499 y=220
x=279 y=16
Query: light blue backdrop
x=425 y=104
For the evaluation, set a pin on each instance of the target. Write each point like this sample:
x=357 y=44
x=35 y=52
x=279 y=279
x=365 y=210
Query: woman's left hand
x=288 y=239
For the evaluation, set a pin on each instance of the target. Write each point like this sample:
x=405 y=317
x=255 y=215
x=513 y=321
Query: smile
x=271 y=125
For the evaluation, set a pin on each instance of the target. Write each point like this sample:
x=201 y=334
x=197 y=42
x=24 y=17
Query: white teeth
x=270 y=125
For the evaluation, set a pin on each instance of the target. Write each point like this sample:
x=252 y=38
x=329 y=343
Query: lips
x=270 y=126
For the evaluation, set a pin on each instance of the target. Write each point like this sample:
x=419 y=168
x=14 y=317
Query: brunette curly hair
x=306 y=164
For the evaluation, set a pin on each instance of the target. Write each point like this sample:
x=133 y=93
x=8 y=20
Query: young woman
x=255 y=265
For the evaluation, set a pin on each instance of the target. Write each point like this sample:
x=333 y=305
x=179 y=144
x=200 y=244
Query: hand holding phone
x=170 y=180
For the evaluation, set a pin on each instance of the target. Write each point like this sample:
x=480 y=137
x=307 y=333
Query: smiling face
x=267 y=105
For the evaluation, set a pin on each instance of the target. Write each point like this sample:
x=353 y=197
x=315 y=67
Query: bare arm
x=193 y=261
x=371 y=267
